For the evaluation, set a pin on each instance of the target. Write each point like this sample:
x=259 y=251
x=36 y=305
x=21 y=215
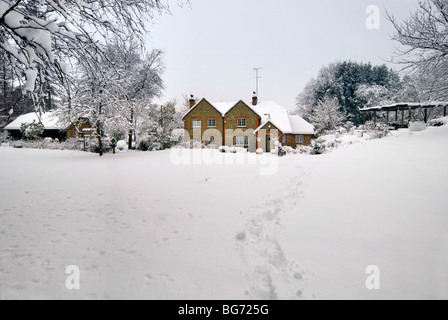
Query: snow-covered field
x=139 y=226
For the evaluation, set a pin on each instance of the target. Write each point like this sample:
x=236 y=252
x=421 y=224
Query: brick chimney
x=254 y=99
x=192 y=101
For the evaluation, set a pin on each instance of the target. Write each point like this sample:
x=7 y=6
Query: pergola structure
x=402 y=108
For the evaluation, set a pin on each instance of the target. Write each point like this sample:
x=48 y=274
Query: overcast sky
x=212 y=46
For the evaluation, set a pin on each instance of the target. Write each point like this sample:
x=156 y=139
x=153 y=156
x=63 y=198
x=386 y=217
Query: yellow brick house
x=254 y=125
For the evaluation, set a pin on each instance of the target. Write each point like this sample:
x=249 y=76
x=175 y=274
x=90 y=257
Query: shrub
x=439 y=122
x=32 y=131
x=318 y=147
x=143 y=146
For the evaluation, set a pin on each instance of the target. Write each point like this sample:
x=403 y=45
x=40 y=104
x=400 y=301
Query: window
x=284 y=139
x=242 y=141
x=212 y=140
x=300 y=138
x=197 y=140
x=242 y=122
x=211 y=123
x=196 y=123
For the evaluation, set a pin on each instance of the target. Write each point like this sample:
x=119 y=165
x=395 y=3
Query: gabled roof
x=268 y=111
x=221 y=107
x=49 y=121
x=192 y=108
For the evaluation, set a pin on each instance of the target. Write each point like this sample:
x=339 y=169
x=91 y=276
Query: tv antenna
x=257 y=77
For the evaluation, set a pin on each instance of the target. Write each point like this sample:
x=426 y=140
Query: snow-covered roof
x=49 y=121
x=412 y=105
x=269 y=111
x=222 y=107
x=300 y=125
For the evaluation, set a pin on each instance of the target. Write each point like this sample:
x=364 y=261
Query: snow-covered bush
x=177 y=137
x=159 y=130
x=143 y=145
x=94 y=146
x=349 y=126
x=318 y=146
x=340 y=138
x=32 y=131
x=122 y=145
x=439 y=122
x=50 y=144
x=3 y=136
x=417 y=126
x=192 y=145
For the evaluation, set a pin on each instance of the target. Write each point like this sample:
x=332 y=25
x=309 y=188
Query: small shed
x=79 y=128
x=53 y=128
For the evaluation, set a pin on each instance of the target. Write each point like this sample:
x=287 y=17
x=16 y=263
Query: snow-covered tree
x=424 y=35
x=327 y=115
x=13 y=102
x=424 y=47
x=341 y=81
x=117 y=100
x=158 y=128
x=43 y=38
x=138 y=81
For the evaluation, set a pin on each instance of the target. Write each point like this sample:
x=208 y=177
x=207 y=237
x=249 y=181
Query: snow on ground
x=139 y=226
x=381 y=203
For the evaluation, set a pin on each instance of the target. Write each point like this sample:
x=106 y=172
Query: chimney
x=254 y=99
x=192 y=101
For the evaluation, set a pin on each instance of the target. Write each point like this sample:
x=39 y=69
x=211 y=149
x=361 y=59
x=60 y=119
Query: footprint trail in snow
x=271 y=275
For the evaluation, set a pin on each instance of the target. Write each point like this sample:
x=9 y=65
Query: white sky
x=212 y=47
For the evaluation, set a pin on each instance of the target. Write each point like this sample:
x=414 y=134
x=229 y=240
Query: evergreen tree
x=341 y=81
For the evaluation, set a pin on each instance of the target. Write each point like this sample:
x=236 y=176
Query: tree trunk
x=131 y=131
x=130 y=140
x=50 y=99
x=98 y=134
x=5 y=94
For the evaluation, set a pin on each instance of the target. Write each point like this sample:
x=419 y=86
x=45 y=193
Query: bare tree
x=424 y=36
x=424 y=50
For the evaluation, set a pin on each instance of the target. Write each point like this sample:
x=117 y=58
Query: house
x=254 y=125
x=53 y=127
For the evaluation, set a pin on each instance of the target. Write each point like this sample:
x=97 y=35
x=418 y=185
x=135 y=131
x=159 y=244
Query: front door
x=268 y=143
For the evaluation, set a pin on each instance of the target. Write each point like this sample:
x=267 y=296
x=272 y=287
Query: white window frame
x=196 y=126
x=240 y=125
x=208 y=123
x=244 y=140
x=197 y=140
x=300 y=138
